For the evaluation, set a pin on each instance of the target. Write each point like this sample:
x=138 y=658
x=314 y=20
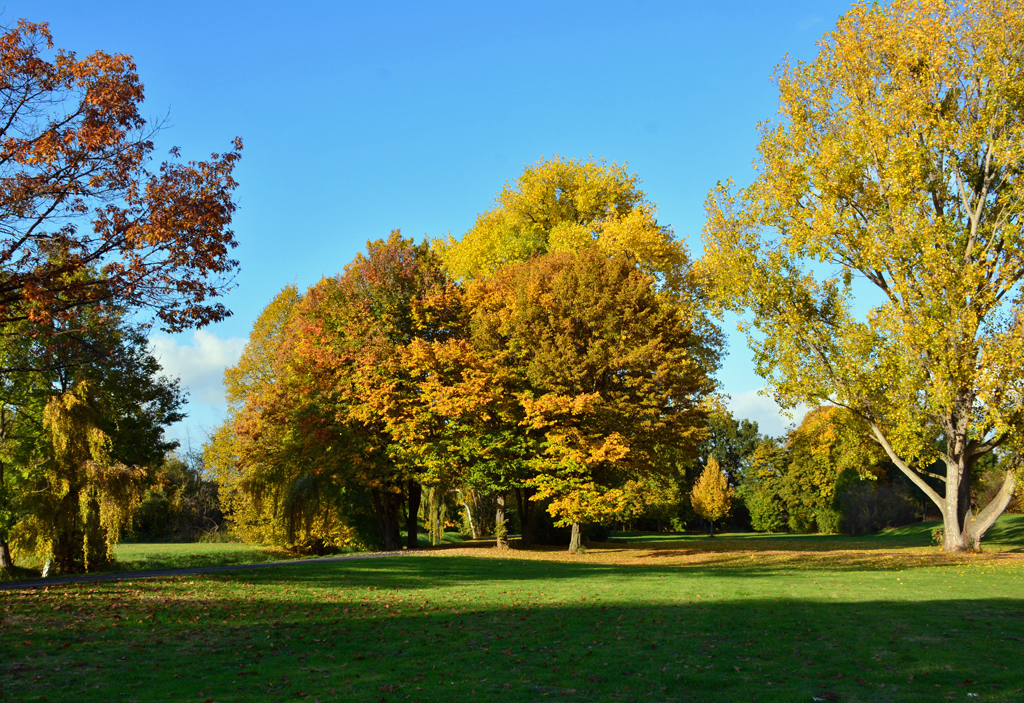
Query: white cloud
x=763 y=410
x=200 y=364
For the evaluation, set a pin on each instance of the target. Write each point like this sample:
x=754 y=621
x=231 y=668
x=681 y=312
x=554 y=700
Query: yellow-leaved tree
x=565 y=205
x=712 y=495
x=895 y=168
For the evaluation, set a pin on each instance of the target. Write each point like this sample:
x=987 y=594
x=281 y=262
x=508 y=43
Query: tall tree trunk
x=526 y=506
x=412 y=525
x=474 y=528
x=712 y=527
x=500 y=529
x=575 y=538
x=6 y=562
x=386 y=507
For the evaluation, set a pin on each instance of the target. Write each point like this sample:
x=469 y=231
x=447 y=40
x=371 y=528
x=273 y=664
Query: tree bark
x=6 y=562
x=474 y=529
x=386 y=507
x=500 y=530
x=412 y=522
x=575 y=538
x=711 y=525
x=526 y=506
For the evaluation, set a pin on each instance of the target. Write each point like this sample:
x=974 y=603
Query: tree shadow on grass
x=255 y=636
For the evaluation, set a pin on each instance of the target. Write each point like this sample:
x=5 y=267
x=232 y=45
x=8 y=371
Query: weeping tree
x=82 y=497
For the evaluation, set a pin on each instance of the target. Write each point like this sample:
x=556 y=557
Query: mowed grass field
x=686 y=620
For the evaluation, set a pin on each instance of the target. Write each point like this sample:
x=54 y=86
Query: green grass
x=160 y=557
x=615 y=624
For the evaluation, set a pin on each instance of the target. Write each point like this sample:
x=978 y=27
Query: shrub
x=829 y=521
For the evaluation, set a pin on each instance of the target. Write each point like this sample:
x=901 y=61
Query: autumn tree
x=350 y=412
x=76 y=195
x=565 y=205
x=605 y=372
x=81 y=436
x=273 y=488
x=761 y=487
x=895 y=164
x=255 y=374
x=712 y=495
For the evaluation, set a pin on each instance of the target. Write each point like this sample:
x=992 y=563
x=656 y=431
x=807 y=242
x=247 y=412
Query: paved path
x=132 y=575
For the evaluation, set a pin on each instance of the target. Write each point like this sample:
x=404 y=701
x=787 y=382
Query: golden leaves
x=711 y=495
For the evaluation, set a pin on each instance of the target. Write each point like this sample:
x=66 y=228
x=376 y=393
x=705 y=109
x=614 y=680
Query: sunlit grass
x=1006 y=535
x=160 y=557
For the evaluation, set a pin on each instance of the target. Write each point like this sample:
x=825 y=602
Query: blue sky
x=362 y=117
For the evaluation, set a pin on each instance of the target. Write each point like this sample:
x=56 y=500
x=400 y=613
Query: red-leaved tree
x=84 y=221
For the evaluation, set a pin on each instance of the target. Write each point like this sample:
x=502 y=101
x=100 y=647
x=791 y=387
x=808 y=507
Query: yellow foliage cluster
x=711 y=495
x=565 y=205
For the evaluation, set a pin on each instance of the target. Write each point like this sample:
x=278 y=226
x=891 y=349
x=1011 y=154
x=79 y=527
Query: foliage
x=828 y=441
x=252 y=520
x=762 y=484
x=712 y=494
x=895 y=162
x=604 y=370
x=84 y=427
x=181 y=504
x=352 y=409
x=74 y=148
x=568 y=205
x=86 y=497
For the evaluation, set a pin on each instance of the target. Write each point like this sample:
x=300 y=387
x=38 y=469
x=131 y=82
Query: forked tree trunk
x=500 y=530
x=412 y=523
x=962 y=530
x=575 y=538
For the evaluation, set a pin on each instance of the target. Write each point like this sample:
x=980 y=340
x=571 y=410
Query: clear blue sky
x=362 y=117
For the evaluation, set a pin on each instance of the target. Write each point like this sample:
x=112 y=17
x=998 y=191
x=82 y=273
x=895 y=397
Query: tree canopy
x=566 y=205
x=712 y=495
x=895 y=165
x=77 y=196
x=607 y=374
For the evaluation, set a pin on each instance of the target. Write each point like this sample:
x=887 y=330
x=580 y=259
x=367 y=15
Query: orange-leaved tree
x=607 y=373
x=76 y=196
x=349 y=411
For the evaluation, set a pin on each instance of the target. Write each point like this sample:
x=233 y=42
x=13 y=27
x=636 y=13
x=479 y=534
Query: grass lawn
x=158 y=557
x=619 y=623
